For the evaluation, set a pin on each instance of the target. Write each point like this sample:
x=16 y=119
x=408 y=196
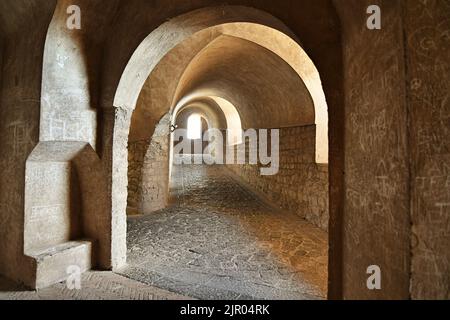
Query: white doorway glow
x=194 y=127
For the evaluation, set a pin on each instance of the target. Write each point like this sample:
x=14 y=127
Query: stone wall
x=136 y=154
x=376 y=223
x=427 y=27
x=301 y=185
x=23 y=26
x=397 y=149
x=148 y=171
x=155 y=173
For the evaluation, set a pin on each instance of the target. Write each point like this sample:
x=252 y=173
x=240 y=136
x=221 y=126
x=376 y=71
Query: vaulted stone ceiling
x=244 y=73
x=237 y=70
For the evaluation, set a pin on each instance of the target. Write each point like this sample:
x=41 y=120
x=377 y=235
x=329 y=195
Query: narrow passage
x=217 y=240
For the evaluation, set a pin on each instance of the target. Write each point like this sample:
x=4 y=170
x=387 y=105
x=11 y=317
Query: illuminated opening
x=194 y=127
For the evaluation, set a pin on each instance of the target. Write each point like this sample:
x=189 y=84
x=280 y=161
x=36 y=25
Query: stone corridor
x=336 y=114
x=217 y=240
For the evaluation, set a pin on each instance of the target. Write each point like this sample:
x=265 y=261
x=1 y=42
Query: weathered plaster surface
x=376 y=223
x=427 y=33
x=23 y=27
x=71 y=80
x=66 y=211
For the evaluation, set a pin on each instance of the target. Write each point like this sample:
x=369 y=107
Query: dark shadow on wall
x=23 y=25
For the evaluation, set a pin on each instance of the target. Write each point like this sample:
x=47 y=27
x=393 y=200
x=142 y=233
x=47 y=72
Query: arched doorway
x=224 y=32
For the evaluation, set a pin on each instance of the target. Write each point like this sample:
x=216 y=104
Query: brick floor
x=94 y=286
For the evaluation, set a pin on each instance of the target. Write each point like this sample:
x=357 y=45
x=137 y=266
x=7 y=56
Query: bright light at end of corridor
x=194 y=127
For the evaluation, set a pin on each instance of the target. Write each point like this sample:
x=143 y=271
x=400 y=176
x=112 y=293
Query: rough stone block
x=52 y=263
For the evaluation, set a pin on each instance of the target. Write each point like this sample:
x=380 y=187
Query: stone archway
x=229 y=21
x=146 y=58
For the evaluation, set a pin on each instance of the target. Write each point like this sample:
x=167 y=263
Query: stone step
x=52 y=264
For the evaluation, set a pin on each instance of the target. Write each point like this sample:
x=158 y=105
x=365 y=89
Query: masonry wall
x=427 y=35
x=301 y=185
x=136 y=155
x=376 y=220
x=155 y=171
x=397 y=150
x=23 y=30
x=148 y=171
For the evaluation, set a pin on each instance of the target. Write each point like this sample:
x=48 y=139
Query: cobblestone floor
x=219 y=241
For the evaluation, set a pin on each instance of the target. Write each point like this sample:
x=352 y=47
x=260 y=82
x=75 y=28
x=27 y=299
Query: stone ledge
x=52 y=263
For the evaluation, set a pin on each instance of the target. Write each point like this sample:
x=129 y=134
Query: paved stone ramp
x=220 y=241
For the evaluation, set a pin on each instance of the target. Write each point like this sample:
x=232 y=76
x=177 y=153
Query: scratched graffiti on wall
x=20 y=139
